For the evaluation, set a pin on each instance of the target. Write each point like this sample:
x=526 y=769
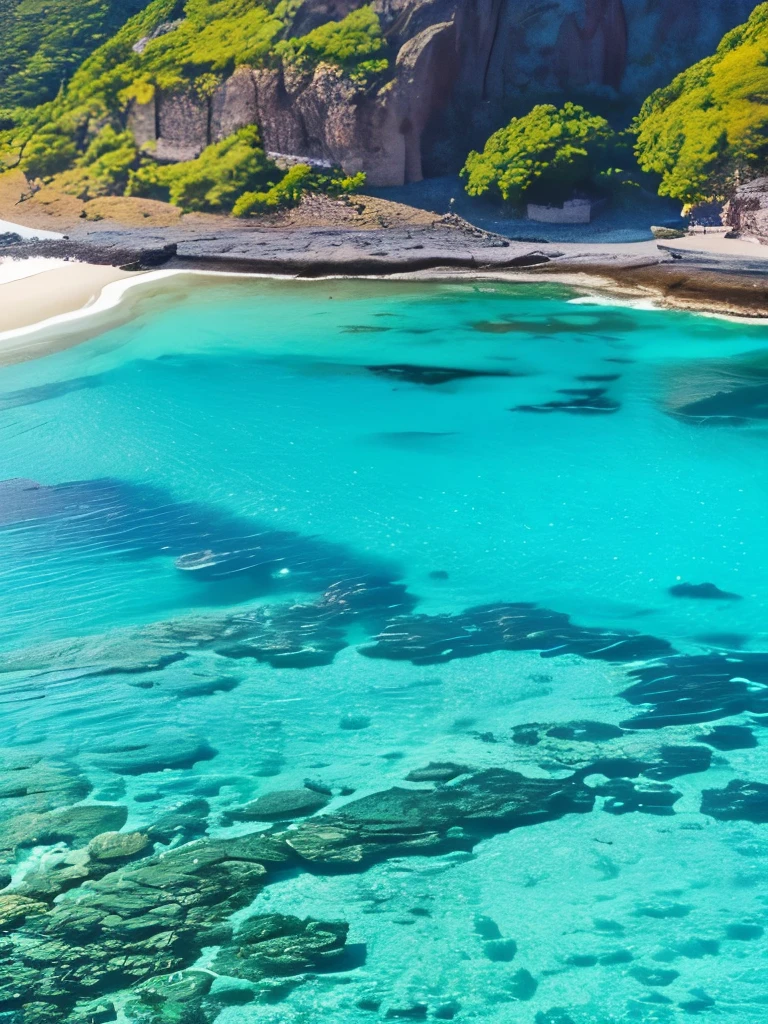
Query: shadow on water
x=139 y=521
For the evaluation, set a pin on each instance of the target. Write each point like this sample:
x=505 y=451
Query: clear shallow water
x=242 y=444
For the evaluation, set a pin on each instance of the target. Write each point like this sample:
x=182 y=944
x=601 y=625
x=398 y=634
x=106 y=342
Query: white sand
x=20 y=229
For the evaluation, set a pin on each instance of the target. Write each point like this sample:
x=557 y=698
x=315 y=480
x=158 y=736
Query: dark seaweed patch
x=729 y=737
x=431 y=376
x=429 y=640
x=727 y=641
x=599 y=378
x=703 y=591
x=572 y=323
x=584 y=402
x=687 y=689
x=739 y=801
x=132 y=521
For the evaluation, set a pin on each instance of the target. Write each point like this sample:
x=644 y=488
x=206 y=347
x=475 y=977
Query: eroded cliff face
x=461 y=69
x=747 y=211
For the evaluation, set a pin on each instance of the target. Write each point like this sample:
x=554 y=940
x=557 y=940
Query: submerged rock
x=733 y=408
x=277 y=944
x=75 y=825
x=354 y=723
x=437 y=771
x=187 y=820
x=739 y=801
x=429 y=376
x=688 y=689
x=280 y=804
x=584 y=402
x=15 y=908
x=585 y=732
x=149 y=750
x=401 y=821
x=729 y=737
x=137 y=922
x=29 y=782
x=703 y=591
x=433 y=639
x=625 y=797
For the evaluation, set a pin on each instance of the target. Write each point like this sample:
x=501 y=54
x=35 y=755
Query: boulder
x=112 y=846
x=15 y=908
x=279 y=805
x=426 y=821
x=277 y=944
x=437 y=771
x=739 y=801
x=747 y=211
x=149 y=750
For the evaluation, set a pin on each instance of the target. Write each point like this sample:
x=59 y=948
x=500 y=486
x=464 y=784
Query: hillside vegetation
x=708 y=129
x=71 y=69
x=42 y=42
x=79 y=138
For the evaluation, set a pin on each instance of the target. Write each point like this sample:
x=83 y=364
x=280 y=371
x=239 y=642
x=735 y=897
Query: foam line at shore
x=109 y=297
x=113 y=293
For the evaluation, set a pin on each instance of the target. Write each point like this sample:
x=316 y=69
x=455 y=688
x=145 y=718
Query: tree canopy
x=708 y=129
x=547 y=152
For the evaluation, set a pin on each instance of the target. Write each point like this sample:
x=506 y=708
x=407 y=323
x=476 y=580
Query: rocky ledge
x=307 y=252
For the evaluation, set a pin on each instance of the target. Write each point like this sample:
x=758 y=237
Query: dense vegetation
x=699 y=137
x=354 y=44
x=80 y=137
x=69 y=70
x=545 y=154
x=42 y=42
x=709 y=127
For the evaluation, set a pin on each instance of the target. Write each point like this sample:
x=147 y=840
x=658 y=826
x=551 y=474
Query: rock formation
x=461 y=68
x=747 y=212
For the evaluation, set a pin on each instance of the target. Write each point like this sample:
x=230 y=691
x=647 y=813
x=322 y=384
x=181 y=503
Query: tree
x=708 y=129
x=545 y=154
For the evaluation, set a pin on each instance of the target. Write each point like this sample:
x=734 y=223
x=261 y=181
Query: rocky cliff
x=461 y=68
x=747 y=211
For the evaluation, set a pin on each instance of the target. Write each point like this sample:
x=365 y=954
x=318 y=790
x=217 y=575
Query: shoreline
x=39 y=337
x=78 y=289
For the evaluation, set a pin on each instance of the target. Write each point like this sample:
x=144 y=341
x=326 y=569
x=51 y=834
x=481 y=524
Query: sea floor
x=434 y=610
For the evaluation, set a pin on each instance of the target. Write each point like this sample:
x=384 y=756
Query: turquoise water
x=235 y=446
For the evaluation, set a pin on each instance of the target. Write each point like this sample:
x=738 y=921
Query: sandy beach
x=49 y=292
x=43 y=292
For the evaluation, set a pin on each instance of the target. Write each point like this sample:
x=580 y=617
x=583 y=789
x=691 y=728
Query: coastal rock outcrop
x=747 y=211
x=458 y=70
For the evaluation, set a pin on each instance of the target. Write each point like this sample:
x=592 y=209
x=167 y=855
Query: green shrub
x=297 y=182
x=545 y=154
x=709 y=127
x=286 y=192
x=353 y=44
x=49 y=150
x=213 y=181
